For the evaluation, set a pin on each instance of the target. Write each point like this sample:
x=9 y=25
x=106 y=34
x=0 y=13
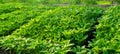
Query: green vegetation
x=13 y=20
x=40 y=28
x=59 y=27
x=107 y=39
x=78 y=2
x=7 y=8
x=104 y=2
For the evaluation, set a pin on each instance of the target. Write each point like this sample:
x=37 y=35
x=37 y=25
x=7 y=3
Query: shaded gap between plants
x=3 y=51
x=90 y=34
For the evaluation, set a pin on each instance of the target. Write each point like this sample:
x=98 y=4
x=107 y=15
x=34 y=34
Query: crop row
x=61 y=30
x=7 y=8
x=107 y=39
x=54 y=31
x=107 y=34
x=11 y=21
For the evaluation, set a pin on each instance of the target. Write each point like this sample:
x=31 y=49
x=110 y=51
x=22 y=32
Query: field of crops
x=26 y=29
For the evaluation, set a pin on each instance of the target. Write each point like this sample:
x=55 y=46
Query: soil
x=3 y=51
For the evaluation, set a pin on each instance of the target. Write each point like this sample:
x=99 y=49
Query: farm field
x=26 y=29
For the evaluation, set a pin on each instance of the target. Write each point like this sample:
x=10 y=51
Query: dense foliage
x=26 y=29
x=107 y=39
x=17 y=16
x=52 y=32
x=7 y=8
x=63 y=1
